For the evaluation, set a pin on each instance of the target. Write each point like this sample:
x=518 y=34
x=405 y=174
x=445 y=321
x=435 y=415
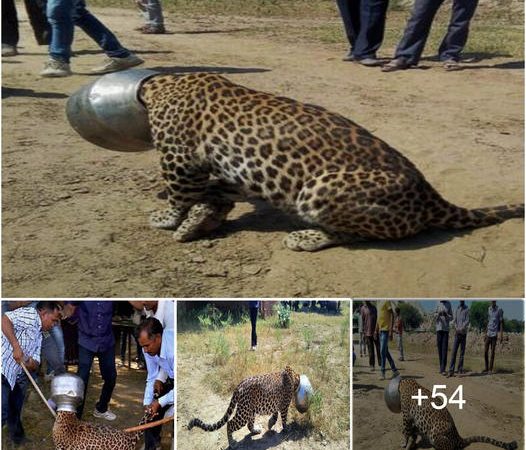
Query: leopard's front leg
x=185 y=185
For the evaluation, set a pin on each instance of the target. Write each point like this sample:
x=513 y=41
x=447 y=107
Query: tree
x=478 y=315
x=411 y=315
x=513 y=326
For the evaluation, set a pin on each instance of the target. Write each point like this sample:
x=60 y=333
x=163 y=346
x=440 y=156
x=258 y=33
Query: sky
x=513 y=309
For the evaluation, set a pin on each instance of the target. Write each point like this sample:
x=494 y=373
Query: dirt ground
x=75 y=216
x=126 y=403
x=197 y=398
x=495 y=403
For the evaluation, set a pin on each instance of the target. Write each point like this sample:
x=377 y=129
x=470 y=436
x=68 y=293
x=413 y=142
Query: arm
x=9 y=332
x=138 y=305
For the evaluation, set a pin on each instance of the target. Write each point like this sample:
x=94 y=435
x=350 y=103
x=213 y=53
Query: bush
x=284 y=319
x=411 y=316
x=478 y=315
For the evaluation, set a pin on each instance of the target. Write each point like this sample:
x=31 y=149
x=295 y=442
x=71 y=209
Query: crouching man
x=158 y=348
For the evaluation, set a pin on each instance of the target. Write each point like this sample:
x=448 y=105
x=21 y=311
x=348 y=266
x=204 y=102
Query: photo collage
x=263 y=225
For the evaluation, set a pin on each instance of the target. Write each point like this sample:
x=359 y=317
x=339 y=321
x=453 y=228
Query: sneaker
x=116 y=64
x=348 y=57
x=153 y=29
x=108 y=415
x=55 y=68
x=9 y=50
x=382 y=376
x=253 y=348
x=396 y=373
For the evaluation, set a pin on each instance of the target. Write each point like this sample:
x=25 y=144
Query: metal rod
x=149 y=425
x=38 y=389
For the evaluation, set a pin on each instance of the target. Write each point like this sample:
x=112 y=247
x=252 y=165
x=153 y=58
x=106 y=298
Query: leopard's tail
x=487 y=440
x=199 y=423
x=454 y=217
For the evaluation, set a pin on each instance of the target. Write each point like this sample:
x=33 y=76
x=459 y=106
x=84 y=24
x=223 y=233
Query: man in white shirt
x=158 y=348
x=21 y=343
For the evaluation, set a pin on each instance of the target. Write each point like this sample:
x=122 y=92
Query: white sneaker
x=108 y=415
x=55 y=68
x=116 y=64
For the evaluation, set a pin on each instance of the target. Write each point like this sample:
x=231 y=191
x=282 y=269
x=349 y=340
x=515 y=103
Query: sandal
x=396 y=64
x=450 y=65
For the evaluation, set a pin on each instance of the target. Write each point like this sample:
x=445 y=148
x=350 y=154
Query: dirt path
x=494 y=404
x=75 y=216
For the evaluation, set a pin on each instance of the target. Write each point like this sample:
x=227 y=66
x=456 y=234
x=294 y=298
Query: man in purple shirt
x=96 y=339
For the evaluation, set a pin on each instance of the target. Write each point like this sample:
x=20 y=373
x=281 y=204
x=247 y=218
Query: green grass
x=314 y=344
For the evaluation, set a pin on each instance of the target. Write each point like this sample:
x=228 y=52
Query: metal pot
x=303 y=394
x=67 y=391
x=392 y=395
x=108 y=112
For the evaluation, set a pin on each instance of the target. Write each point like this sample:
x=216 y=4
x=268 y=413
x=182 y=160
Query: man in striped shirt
x=21 y=343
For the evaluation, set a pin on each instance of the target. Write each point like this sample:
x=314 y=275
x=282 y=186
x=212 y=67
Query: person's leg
x=60 y=17
x=85 y=361
x=463 y=338
x=401 y=346
x=370 y=345
x=417 y=30
x=97 y=31
x=350 y=14
x=457 y=33
x=372 y=27
x=453 y=362
x=445 y=346
x=376 y=341
x=152 y=436
x=109 y=375
x=10 y=34
x=439 y=347
x=486 y=349
x=253 y=321
x=493 y=344
x=123 y=332
x=155 y=14
x=384 y=336
x=6 y=392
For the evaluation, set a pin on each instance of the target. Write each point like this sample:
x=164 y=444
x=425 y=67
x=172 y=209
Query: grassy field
x=314 y=344
x=496 y=30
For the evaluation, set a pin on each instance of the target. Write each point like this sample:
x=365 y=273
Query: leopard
x=220 y=143
x=70 y=433
x=435 y=427
x=269 y=393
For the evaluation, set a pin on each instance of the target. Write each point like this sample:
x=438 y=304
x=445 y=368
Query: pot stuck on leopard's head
x=392 y=395
x=303 y=394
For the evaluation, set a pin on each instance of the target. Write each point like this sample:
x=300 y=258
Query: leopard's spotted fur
x=70 y=433
x=434 y=426
x=340 y=179
x=270 y=393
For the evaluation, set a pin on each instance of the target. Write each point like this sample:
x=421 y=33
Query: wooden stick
x=149 y=425
x=38 y=389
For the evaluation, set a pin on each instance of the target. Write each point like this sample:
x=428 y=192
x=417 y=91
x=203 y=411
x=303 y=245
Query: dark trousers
x=418 y=27
x=253 y=320
x=12 y=403
x=9 y=23
x=489 y=342
x=373 y=343
x=364 y=23
x=460 y=341
x=107 y=371
x=442 y=344
x=152 y=436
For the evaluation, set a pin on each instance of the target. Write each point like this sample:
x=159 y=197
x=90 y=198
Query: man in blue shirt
x=96 y=339
x=158 y=348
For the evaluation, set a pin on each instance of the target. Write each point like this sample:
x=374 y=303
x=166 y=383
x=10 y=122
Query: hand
x=31 y=365
x=158 y=387
x=68 y=311
x=18 y=354
x=153 y=408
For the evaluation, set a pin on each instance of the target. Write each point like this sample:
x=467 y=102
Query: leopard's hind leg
x=316 y=239
x=273 y=419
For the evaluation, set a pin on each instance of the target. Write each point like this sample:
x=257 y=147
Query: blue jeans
x=364 y=22
x=460 y=341
x=107 y=371
x=12 y=403
x=53 y=350
x=442 y=344
x=384 y=352
x=63 y=15
x=417 y=30
x=154 y=13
